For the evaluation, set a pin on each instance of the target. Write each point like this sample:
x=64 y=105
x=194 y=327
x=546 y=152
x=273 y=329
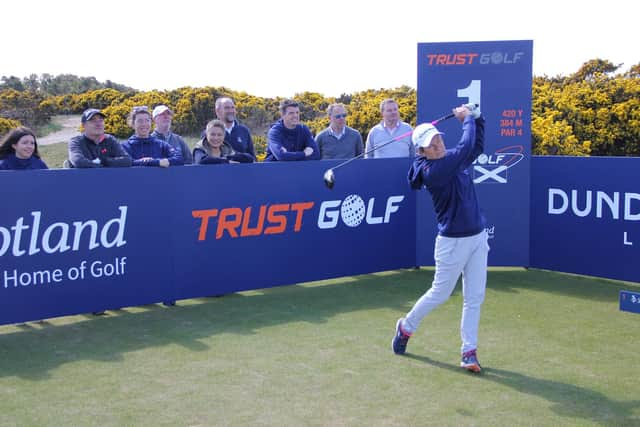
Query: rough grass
x=53 y=154
x=555 y=348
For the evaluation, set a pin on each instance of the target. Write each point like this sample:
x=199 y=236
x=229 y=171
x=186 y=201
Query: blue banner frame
x=497 y=75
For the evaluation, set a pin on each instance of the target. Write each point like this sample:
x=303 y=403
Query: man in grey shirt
x=339 y=141
x=162 y=116
x=391 y=128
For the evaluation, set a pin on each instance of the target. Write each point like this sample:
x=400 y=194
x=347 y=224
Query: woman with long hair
x=19 y=150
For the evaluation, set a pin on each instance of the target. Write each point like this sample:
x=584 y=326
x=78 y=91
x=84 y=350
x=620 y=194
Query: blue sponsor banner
x=585 y=216
x=76 y=241
x=276 y=223
x=630 y=301
x=497 y=76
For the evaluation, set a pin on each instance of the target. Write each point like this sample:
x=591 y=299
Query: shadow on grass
x=589 y=288
x=568 y=400
x=36 y=348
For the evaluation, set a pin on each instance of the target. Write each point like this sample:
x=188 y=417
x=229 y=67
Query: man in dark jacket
x=288 y=139
x=236 y=134
x=147 y=150
x=94 y=148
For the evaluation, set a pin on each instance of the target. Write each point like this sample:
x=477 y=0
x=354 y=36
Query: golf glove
x=475 y=110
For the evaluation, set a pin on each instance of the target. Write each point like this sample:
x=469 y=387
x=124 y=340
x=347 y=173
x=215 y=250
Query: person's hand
x=164 y=163
x=475 y=110
x=461 y=112
x=308 y=151
x=96 y=161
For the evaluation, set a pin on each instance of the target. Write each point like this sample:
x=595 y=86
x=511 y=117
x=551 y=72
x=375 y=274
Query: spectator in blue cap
x=94 y=148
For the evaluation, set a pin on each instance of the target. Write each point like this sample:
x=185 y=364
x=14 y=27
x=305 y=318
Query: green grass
x=555 y=348
x=54 y=154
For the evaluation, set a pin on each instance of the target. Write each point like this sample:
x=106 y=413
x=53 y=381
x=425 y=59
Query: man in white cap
x=162 y=116
x=461 y=246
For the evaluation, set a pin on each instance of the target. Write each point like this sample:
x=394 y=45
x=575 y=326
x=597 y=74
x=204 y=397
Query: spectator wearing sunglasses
x=145 y=149
x=339 y=141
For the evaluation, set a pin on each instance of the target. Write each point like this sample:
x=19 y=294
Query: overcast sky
x=279 y=48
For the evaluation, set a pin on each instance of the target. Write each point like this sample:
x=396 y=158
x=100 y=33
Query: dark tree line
x=62 y=84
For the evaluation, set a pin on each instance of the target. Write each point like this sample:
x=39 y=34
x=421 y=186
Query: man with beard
x=236 y=134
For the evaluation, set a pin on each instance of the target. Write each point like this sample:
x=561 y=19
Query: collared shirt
x=344 y=146
x=337 y=135
x=390 y=129
x=395 y=142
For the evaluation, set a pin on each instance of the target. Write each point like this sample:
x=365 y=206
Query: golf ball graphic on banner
x=352 y=210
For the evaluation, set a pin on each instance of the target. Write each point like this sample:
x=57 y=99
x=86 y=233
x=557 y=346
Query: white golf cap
x=423 y=134
x=159 y=110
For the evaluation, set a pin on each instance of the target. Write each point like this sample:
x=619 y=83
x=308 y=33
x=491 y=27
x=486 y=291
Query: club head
x=329 y=179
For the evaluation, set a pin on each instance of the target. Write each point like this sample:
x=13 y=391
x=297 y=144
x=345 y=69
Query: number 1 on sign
x=471 y=92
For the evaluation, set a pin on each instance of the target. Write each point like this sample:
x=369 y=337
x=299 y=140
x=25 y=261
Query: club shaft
x=404 y=135
x=450 y=115
x=447 y=117
x=394 y=139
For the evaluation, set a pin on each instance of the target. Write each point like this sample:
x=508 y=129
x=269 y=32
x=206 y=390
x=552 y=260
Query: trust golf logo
x=470 y=58
x=280 y=218
x=493 y=168
x=353 y=211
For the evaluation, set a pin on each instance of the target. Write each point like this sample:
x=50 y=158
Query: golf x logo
x=493 y=168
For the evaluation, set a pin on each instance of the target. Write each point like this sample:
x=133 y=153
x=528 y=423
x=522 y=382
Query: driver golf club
x=330 y=177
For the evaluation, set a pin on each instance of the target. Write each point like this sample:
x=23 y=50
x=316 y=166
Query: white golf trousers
x=455 y=256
